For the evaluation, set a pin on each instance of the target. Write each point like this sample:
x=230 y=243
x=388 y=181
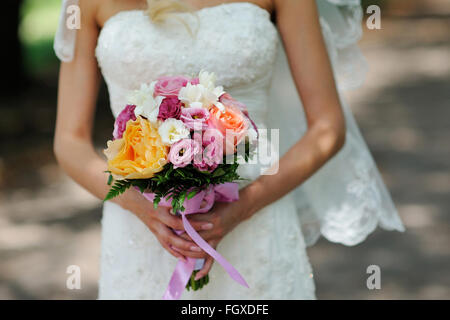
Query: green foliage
x=197 y=284
x=178 y=184
x=119 y=187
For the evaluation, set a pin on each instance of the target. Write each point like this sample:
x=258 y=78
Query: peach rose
x=232 y=124
x=139 y=154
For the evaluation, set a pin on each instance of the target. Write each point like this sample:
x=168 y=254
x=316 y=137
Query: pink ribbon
x=202 y=202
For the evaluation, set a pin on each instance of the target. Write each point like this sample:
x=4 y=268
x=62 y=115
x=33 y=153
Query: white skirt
x=268 y=250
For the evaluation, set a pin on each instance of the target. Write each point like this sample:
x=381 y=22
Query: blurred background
x=47 y=222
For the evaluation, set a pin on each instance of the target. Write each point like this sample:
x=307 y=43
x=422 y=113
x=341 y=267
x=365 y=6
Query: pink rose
x=195 y=118
x=170 y=86
x=182 y=152
x=121 y=121
x=170 y=108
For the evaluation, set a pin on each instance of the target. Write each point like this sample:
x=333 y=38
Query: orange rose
x=233 y=125
x=139 y=154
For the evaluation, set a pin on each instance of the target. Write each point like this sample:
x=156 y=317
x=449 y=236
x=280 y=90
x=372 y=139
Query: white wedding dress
x=241 y=45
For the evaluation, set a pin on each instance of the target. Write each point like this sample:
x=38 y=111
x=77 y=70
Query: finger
x=185 y=236
x=192 y=254
x=160 y=236
x=200 y=225
x=206 y=268
x=180 y=243
x=176 y=223
x=208 y=235
x=212 y=242
x=202 y=217
x=172 y=251
x=170 y=220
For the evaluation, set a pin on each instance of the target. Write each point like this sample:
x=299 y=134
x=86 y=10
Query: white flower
x=172 y=130
x=146 y=104
x=192 y=95
x=207 y=79
x=202 y=95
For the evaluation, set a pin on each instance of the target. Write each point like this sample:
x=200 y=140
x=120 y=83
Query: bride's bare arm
x=73 y=146
x=299 y=26
x=77 y=95
x=300 y=30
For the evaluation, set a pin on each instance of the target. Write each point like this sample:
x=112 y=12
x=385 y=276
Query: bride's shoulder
x=89 y=10
x=97 y=11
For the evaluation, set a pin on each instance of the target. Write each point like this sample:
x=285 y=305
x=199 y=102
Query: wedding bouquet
x=180 y=140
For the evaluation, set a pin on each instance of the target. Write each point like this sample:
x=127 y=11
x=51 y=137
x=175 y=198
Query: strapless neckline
x=235 y=40
x=197 y=11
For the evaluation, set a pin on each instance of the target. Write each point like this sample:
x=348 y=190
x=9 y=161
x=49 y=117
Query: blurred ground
x=48 y=223
x=404 y=113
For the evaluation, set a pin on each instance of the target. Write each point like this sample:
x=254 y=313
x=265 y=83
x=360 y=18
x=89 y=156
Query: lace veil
x=346 y=199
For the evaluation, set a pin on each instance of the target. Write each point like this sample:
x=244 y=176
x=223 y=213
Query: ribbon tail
x=233 y=273
x=179 y=279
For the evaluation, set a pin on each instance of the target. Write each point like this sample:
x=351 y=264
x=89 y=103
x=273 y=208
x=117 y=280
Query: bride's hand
x=161 y=222
x=225 y=217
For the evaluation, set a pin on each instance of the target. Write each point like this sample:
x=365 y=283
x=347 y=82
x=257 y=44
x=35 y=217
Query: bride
x=287 y=61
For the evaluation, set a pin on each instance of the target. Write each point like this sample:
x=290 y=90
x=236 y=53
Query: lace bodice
x=236 y=40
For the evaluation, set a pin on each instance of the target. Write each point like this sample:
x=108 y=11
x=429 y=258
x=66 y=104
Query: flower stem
x=196 y=284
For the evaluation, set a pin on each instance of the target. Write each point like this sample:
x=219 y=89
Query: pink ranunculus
x=182 y=152
x=208 y=161
x=211 y=135
x=203 y=166
x=170 y=108
x=195 y=118
x=121 y=121
x=212 y=154
x=170 y=86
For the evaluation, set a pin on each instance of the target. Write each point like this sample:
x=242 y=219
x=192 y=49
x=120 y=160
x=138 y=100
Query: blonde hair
x=160 y=10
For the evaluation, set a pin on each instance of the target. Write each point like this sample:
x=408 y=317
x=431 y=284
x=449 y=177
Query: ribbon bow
x=202 y=202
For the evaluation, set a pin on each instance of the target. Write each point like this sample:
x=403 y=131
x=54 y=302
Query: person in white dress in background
x=267 y=54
